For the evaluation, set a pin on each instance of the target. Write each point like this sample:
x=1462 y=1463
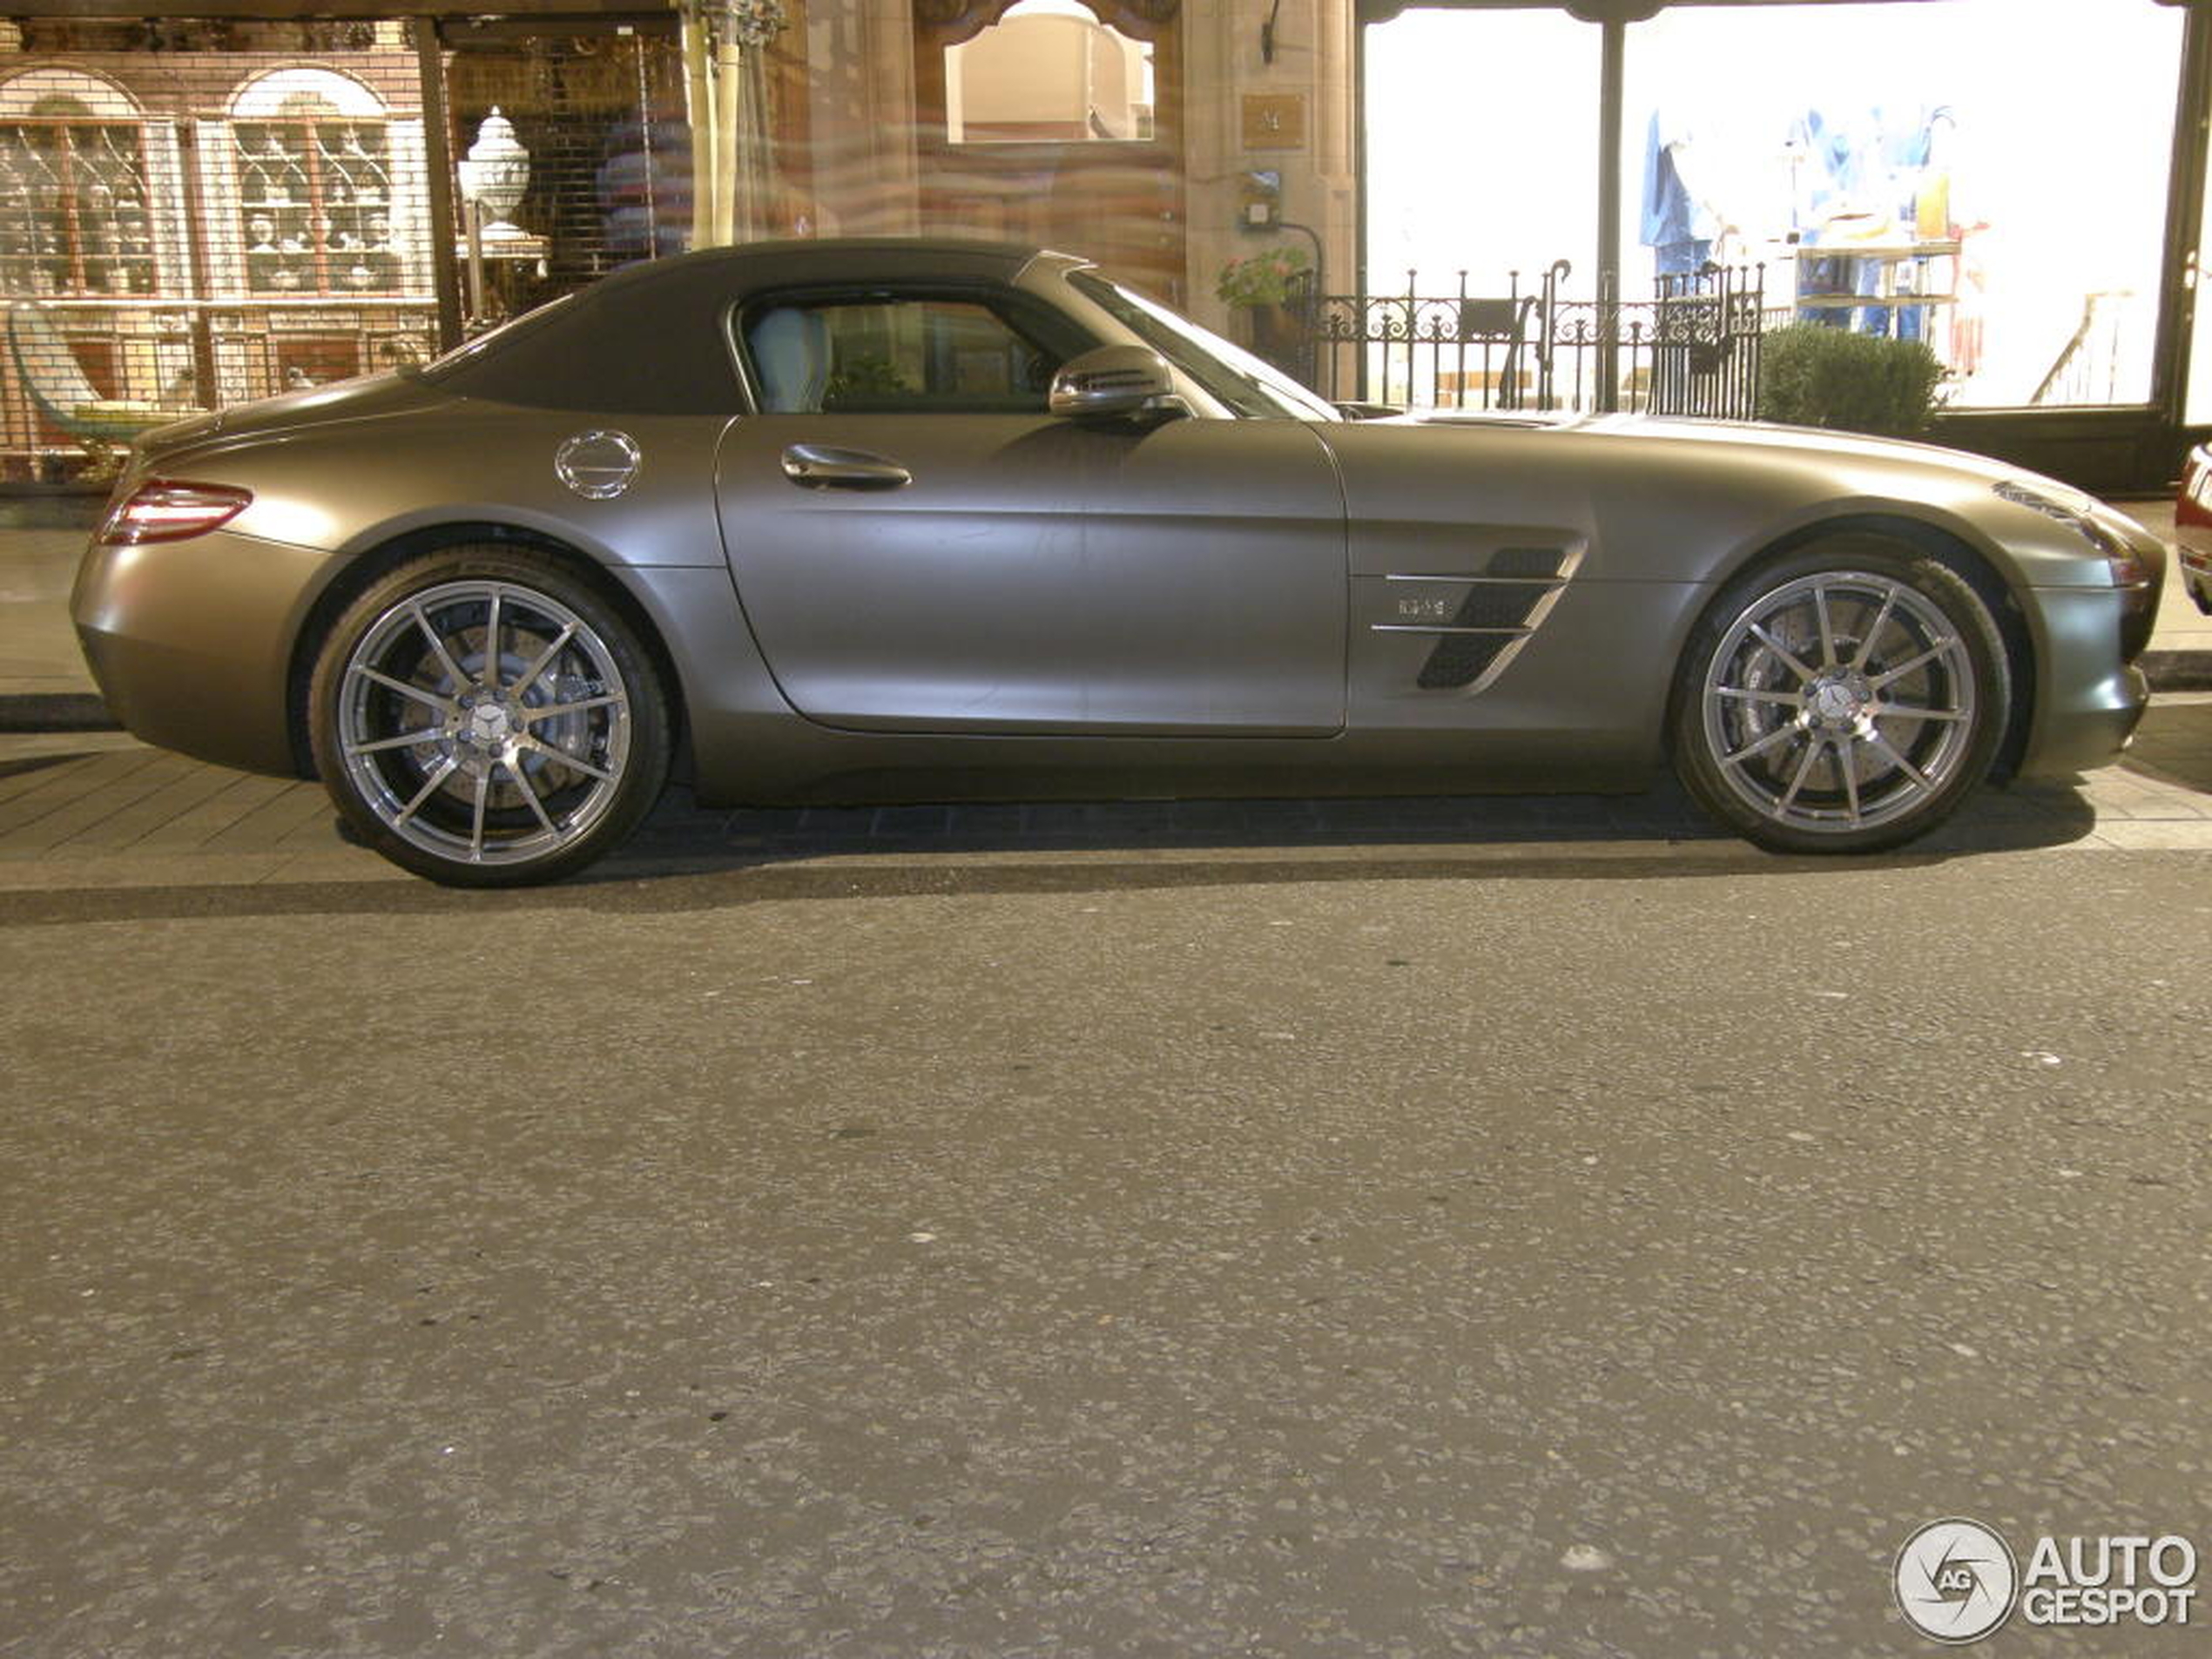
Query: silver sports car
x=843 y=521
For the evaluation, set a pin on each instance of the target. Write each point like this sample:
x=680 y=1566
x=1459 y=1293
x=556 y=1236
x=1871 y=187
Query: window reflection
x=896 y=356
x=1048 y=72
x=1906 y=178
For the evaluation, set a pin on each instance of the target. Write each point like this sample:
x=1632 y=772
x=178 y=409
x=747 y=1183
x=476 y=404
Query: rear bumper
x=189 y=642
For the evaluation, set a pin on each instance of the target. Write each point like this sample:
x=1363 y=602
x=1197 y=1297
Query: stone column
x=1224 y=62
x=860 y=116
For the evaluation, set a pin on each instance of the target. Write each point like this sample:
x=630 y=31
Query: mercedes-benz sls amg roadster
x=868 y=520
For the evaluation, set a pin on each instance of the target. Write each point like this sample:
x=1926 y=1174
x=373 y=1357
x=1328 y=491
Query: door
x=919 y=546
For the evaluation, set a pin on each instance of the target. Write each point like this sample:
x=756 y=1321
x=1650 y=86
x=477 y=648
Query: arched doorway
x=1056 y=122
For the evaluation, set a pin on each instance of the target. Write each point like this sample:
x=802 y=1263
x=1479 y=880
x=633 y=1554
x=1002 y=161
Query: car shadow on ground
x=1517 y=829
x=1475 y=835
x=689 y=859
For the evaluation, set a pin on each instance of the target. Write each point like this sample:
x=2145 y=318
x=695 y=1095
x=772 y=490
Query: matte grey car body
x=1104 y=555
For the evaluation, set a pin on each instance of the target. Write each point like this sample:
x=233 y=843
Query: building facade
x=199 y=210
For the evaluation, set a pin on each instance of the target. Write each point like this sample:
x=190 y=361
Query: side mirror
x=1115 y=381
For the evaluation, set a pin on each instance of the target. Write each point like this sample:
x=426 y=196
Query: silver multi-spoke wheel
x=1839 y=701
x=1843 y=705
x=487 y=725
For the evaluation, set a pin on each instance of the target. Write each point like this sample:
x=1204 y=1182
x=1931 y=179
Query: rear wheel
x=1845 y=698
x=484 y=717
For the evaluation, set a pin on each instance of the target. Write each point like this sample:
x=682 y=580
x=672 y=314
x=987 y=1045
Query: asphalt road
x=1589 y=1248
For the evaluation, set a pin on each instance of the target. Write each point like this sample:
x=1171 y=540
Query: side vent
x=1528 y=564
x=1458 y=663
x=1496 y=614
x=1493 y=617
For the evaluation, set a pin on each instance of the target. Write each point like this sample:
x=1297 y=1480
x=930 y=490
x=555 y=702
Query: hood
x=1741 y=435
x=1803 y=440
x=1850 y=464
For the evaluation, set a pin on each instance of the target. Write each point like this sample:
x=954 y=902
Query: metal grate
x=199 y=212
x=608 y=181
x=193 y=214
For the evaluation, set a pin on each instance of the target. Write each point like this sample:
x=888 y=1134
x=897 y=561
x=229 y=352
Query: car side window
x=895 y=355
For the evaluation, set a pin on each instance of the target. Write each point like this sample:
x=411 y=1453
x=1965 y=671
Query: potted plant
x=1259 y=287
x=1262 y=279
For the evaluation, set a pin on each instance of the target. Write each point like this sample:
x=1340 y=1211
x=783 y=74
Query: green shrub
x=1811 y=375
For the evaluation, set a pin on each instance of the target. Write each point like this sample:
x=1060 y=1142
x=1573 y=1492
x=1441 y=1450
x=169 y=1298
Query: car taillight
x=164 y=510
x=2193 y=505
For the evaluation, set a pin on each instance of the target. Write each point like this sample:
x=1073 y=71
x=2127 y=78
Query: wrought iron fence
x=1693 y=348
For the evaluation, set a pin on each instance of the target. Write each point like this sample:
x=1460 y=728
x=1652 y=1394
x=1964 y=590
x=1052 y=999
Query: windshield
x=1248 y=387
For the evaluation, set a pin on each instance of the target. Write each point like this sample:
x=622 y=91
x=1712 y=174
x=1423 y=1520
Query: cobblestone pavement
x=100 y=809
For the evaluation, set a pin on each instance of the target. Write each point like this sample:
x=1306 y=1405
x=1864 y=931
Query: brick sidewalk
x=101 y=810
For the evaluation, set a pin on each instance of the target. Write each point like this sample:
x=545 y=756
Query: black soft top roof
x=648 y=340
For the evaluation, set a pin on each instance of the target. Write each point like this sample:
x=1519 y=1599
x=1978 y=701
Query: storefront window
x=316 y=202
x=1989 y=176
x=1481 y=129
x=73 y=193
x=2196 y=406
x=314 y=187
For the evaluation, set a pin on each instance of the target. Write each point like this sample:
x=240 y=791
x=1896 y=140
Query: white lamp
x=493 y=174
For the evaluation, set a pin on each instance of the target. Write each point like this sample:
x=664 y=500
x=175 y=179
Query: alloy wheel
x=484 y=723
x=1840 y=701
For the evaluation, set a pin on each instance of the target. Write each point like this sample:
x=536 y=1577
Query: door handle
x=821 y=466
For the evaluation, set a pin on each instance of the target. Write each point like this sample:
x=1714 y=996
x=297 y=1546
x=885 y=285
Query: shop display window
x=73 y=203
x=315 y=207
x=1481 y=149
x=1989 y=176
x=1921 y=171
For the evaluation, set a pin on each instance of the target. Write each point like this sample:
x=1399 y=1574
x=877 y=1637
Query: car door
x=919 y=546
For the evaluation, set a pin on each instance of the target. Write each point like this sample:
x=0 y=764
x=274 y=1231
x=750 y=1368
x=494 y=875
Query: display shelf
x=314 y=207
x=73 y=215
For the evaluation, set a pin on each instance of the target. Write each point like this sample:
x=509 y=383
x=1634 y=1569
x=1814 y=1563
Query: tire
x=1846 y=697
x=486 y=718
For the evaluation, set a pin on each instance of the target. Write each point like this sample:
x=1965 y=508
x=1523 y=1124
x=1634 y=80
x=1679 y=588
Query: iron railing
x=1693 y=348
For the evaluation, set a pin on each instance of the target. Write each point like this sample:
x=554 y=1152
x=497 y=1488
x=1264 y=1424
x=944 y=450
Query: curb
x=32 y=713
x=2178 y=671
x=36 y=712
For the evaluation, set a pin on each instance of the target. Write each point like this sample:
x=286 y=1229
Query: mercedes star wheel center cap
x=1836 y=703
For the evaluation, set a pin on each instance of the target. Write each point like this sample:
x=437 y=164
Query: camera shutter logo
x=1956 y=1580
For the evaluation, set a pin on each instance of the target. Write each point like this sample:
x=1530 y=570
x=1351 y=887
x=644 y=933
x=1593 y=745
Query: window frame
x=318 y=164
x=68 y=133
x=1024 y=316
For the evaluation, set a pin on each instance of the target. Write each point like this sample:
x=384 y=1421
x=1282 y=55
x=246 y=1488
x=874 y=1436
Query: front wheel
x=482 y=717
x=1846 y=698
